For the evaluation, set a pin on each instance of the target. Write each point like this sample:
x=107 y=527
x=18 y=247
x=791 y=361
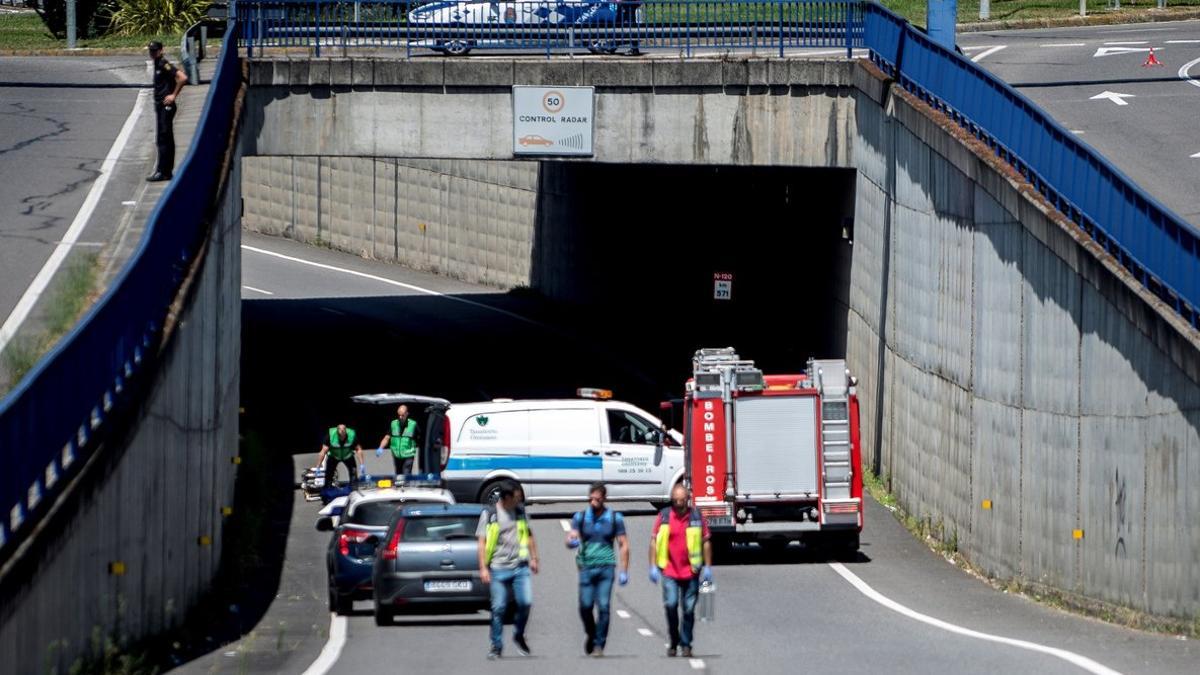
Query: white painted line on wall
x=42 y=280
x=697 y=664
x=390 y=282
x=987 y=52
x=332 y=649
x=1070 y=657
x=1183 y=72
x=1066 y=44
x=646 y=632
x=623 y=614
x=257 y=290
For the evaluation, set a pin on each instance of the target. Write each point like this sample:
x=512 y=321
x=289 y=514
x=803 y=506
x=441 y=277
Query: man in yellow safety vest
x=681 y=556
x=507 y=557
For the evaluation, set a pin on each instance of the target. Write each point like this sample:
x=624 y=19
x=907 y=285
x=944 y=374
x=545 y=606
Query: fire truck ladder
x=833 y=383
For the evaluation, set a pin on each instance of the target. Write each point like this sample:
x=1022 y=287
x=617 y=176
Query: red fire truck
x=774 y=458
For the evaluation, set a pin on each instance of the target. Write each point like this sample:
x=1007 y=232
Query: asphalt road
x=1151 y=134
x=58 y=119
x=780 y=613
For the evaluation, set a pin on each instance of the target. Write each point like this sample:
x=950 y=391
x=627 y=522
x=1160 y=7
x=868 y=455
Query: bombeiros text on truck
x=774 y=458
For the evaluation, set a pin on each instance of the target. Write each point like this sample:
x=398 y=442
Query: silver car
x=429 y=560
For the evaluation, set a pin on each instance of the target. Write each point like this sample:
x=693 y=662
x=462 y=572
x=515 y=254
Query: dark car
x=364 y=521
x=430 y=561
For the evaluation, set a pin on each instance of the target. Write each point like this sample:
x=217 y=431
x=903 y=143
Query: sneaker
x=588 y=645
x=671 y=651
x=522 y=646
x=493 y=653
x=687 y=652
x=598 y=653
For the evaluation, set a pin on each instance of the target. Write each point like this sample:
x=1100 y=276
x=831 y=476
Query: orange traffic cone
x=1151 y=60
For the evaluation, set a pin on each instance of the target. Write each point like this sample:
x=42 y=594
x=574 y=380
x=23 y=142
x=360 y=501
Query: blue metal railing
x=551 y=25
x=1160 y=249
x=50 y=422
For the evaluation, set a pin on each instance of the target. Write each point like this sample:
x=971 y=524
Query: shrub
x=92 y=17
x=156 y=17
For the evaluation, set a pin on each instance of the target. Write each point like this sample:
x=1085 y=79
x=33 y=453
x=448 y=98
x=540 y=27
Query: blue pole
x=940 y=16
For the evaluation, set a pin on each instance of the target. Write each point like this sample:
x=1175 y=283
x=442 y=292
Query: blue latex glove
x=573 y=542
x=623 y=577
x=379 y=452
x=706 y=573
x=362 y=473
x=655 y=574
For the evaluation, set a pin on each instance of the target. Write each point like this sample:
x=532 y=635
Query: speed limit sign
x=552 y=120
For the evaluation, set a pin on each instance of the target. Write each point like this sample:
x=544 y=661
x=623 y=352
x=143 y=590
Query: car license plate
x=447 y=586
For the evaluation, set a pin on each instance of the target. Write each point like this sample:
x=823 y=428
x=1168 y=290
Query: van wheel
x=490 y=494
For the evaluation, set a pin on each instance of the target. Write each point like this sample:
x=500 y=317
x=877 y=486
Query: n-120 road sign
x=722 y=286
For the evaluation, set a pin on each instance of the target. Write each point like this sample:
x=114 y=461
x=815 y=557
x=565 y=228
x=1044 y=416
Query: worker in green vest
x=402 y=439
x=508 y=555
x=340 y=446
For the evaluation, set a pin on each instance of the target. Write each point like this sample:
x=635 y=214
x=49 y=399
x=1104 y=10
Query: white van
x=554 y=448
x=557 y=448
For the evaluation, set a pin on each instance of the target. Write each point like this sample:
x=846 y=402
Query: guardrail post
x=780 y=4
x=687 y=29
x=317 y=23
x=200 y=54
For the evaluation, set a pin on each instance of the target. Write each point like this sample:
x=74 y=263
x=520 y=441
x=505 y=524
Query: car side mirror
x=325 y=524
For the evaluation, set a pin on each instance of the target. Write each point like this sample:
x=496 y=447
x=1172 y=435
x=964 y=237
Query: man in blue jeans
x=594 y=531
x=680 y=555
x=507 y=557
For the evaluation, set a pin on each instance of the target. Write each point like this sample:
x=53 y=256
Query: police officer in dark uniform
x=168 y=81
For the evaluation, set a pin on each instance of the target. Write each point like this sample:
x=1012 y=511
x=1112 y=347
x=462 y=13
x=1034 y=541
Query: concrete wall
x=472 y=220
x=754 y=111
x=155 y=492
x=1005 y=358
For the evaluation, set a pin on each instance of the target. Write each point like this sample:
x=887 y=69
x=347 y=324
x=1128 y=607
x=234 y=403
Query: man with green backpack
x=340 y=447
x=402 y=440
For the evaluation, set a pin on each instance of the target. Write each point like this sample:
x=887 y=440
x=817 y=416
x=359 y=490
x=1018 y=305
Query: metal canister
x=706 y=603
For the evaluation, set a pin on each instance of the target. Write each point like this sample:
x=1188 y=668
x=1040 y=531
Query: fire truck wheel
x=722 y=547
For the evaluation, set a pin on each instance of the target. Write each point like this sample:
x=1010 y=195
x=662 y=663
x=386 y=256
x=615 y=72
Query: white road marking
x=1109 y=51
x=1183 y=72
x=645 y=631
x=1066 y=44
x=566 y=525
x=332 y=649
x=1134 y=42
x=623 y=614
x=697 y=664
x=1070 y=657
x=129 y=203
x=257 y=290
x=1078 y=132
x=1183 y=42
x=1113 y=96
x=987 y=52
x=35 y=290
x=1196 y=156
x=390 y=282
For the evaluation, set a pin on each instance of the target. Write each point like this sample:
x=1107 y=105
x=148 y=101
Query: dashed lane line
x=697 y=664
x=623 y=614
x=645 y=632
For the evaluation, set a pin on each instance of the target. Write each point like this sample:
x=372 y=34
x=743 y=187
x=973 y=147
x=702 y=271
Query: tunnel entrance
x=622 y=289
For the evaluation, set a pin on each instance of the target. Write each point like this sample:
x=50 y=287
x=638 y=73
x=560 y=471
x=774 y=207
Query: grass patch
x=72 y=293
x=935 y=535
x=1025 y=10
x=25 y=32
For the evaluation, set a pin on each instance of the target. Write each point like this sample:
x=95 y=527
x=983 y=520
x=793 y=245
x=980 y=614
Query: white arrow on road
x=1109 y=51
x=1113 y=96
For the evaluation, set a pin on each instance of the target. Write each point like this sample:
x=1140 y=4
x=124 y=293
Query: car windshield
x=440 y=528
x=378 y=513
